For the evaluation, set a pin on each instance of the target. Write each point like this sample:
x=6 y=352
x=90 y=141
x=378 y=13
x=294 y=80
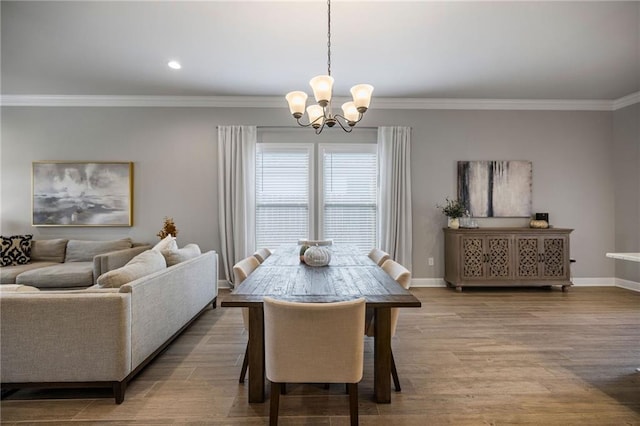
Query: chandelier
x=320 y=114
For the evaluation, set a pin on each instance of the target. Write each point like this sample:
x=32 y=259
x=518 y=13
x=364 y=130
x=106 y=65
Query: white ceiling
x=474 y=50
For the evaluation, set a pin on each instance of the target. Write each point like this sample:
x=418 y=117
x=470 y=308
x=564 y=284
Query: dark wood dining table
x=350 y=274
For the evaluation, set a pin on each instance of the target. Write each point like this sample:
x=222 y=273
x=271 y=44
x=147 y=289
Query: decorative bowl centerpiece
x=317 y=256
x=303 y=248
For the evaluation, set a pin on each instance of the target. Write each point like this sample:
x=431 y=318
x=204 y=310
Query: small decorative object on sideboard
x=169 y=228
x=542 y=216
x=467 y=221
x=541 y=221
x=538 y=224
x=454 y=210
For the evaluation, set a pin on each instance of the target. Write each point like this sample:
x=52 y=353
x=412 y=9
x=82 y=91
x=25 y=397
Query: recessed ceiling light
x=174 y=65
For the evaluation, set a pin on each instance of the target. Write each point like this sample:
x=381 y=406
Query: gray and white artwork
x=495 y=188
x=82 y=193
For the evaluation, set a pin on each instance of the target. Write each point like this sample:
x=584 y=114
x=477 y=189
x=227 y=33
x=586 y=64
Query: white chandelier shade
x=322 y=86
x=362 y=96
x=297 y=102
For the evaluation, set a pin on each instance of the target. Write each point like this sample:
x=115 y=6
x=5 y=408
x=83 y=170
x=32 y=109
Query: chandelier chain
x=328 y=37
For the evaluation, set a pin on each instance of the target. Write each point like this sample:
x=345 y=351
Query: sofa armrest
x=115 y=259
x=58 y=336
x=164 y=301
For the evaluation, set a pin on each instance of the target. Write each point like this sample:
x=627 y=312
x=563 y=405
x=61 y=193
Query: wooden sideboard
x=507 y=257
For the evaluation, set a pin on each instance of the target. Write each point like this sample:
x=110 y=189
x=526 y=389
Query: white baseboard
x=578 y=282
x=428 y=282
x=594 y=282
x=629 y=285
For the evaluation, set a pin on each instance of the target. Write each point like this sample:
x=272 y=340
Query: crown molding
x=142 y=101
x=494 y=104
x=625 y=101
x=278 y=102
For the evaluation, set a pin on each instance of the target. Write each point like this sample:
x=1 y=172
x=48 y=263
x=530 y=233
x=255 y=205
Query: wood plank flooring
x=480 y=357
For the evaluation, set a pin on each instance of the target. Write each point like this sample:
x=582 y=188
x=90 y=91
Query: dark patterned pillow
x=15 y=250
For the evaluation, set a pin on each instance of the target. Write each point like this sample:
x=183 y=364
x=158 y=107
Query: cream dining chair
x=379 y=256
x=313 y=343
x=241 y=271
x=262 y=254
x=403 y=277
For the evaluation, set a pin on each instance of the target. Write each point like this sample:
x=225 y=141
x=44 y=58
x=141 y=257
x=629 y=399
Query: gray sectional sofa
x=61 y=263
x=101 y=337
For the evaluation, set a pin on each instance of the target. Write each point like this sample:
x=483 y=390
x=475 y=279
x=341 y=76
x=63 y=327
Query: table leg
x=256 y=354
x=382 y=355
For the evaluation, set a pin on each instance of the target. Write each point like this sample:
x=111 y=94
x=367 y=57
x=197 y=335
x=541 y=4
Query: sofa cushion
x=15 y=250
x=74 y=274
x=84 y=251
x=143 y=264
x=167 y=243
x=48 y=250
x=8 y=274
x=175 y=256
x=16 y=288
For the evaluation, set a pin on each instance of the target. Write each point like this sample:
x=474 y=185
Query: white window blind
x=282 y=194
x=349 y=194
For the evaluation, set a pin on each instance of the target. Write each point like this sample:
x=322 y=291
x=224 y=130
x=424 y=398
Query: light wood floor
x=481 y=357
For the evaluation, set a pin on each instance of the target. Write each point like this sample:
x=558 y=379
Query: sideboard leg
x=459 y=288
x=565 y=288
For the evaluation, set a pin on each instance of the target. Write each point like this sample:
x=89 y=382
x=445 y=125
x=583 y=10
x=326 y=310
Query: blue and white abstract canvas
x=495 y=188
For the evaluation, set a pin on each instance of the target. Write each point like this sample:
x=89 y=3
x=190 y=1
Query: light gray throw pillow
x=145 y=263
x=84 y=251
x=48 y=250
x=175 y=256
x=167 y=243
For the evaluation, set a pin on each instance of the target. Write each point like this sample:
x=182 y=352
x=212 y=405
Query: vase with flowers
x=168 y=228
x=454 y=210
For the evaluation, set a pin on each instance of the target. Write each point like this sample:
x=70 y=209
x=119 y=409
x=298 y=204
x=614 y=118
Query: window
x=283 y=187
x=349 y=193
x=297 y=198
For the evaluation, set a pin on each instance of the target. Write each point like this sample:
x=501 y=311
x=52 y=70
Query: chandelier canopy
x=320 y=114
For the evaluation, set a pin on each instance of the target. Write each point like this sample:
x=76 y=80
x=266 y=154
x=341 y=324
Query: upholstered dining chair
x=305 y=242
x=403 y=277
x=241 y=271
x=262 y=254
x=313 y=343
x=379 y=256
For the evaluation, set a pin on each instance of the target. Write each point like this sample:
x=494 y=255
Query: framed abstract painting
x=495 y=188
x=71 y=193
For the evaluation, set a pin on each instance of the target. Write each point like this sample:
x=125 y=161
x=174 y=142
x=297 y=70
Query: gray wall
x=174 y=151
x=626 y=157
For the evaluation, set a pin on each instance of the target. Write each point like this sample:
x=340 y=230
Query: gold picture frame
x=82 y=193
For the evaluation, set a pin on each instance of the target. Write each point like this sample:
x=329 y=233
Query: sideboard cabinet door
x=542 y=257
x=486 y=257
